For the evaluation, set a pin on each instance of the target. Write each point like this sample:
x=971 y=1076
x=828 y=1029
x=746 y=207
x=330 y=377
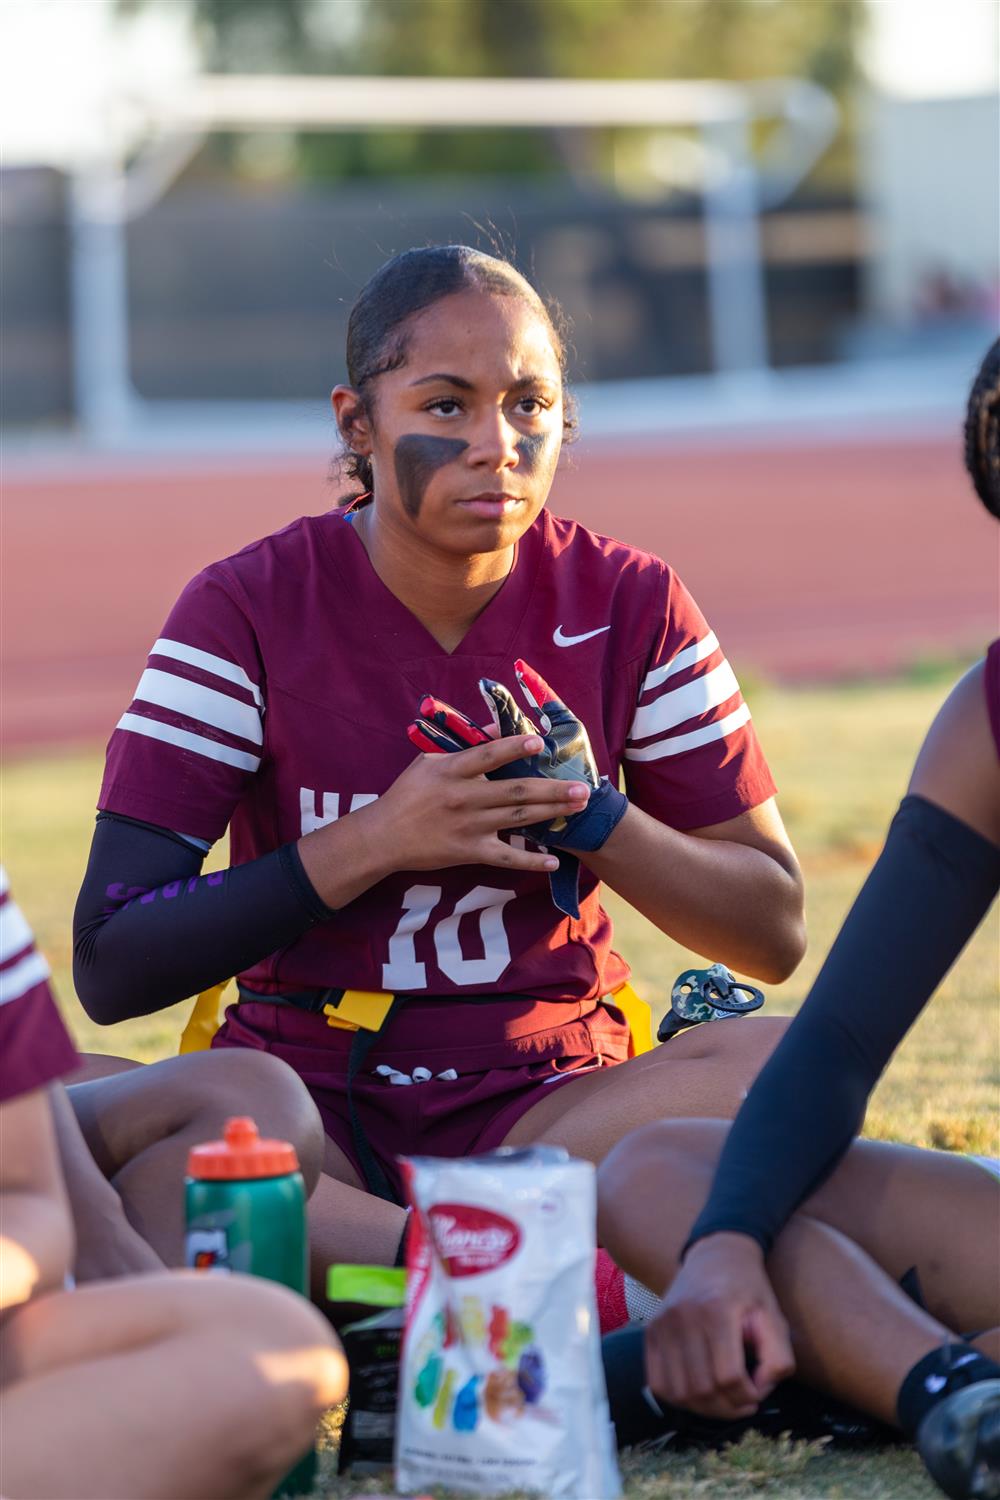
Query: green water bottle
x=246 y=1207
x=246 y=1211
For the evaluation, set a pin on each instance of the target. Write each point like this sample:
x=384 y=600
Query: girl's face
x=464 y=437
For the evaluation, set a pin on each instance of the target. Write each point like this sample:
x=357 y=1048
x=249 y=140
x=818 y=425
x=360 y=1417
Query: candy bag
x=501 y=1384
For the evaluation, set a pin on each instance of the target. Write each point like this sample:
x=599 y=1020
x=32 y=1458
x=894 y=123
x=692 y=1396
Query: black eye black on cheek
x=531 y=446
x=417 y=458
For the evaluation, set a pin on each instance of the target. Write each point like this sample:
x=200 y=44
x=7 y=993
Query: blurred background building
x=769 y=221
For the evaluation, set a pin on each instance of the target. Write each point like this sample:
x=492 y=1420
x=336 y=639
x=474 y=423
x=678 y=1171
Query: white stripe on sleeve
x=677 y=744
x=199 y=702
x=17 y=981
x=15 y=933
x=217 y=665
x=686 y=658
x=185 y=740
x=681 y=703
x=4 y=882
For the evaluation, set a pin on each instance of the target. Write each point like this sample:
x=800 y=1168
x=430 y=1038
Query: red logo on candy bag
x=472 y=1240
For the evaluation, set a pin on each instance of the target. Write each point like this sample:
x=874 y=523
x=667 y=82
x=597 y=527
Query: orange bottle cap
x=241 y=1153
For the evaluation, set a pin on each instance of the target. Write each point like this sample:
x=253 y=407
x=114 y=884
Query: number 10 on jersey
x=405 y=972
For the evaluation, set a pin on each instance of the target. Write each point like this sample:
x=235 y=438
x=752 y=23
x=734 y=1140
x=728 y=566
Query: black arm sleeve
x=929 y=890
x=149 y=929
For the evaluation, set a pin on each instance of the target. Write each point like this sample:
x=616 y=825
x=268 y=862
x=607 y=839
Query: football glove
x=566 y=755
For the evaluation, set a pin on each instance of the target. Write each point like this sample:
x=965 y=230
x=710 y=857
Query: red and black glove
x=440 y=729
x=566 y=755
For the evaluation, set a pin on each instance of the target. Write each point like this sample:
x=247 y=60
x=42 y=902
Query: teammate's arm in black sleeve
x=149 y=929
x=930 y=888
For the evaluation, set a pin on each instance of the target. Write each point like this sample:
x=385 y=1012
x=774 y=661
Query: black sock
x=944 y=1370
x=637 y=1415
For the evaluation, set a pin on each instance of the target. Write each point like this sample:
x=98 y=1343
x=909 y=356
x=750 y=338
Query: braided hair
x=982 y=431
x=404 y=286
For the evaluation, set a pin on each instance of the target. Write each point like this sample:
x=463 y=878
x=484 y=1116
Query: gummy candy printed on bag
x=429 y=1380
x=466 y=1414
x=442 y=1405
x=499 y=1325
x=518 y=1338
x=531 y=1375
x=472 y=1321
x=503 y=1396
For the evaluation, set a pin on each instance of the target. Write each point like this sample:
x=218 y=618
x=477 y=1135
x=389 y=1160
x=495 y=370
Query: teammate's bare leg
x=703 y=1073
x=140 y=1124
x=901 y=1205
x=886 y=1210
x=94 y=1065
x=347 y=1223
x=164 y=1386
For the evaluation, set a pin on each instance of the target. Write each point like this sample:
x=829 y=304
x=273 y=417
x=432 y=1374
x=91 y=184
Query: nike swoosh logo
x=574 y=640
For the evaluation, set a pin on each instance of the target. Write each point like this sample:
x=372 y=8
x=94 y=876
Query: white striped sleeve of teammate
x=22 y=967
x=35 y=1046
x=199 y=702
x=687 y=701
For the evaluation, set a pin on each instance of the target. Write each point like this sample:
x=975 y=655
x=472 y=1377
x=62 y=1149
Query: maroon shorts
x=487 y=1065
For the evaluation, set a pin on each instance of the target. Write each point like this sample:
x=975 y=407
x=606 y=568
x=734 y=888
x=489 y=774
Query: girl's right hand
x=719 y=1309
x=443 y=811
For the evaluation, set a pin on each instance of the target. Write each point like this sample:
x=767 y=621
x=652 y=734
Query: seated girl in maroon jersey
x=276 y=703
x=150 y=1386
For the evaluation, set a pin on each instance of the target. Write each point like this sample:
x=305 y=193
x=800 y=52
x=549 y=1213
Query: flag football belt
x=366 y=1010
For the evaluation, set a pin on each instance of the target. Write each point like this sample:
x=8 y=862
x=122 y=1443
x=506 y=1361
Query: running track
x=810 y=560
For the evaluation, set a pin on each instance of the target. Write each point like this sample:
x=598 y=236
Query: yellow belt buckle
x=359 y=1010
x=204 y=1020
x=639 y=1017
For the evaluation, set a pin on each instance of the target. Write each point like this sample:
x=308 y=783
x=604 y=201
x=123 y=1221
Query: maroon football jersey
x=34 y=1045
x=278 y=696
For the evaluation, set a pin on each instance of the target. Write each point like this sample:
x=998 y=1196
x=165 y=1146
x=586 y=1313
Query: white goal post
x=108 y=193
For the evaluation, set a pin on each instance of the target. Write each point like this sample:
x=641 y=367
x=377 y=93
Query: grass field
x=841 y=758
x=756 y=1469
